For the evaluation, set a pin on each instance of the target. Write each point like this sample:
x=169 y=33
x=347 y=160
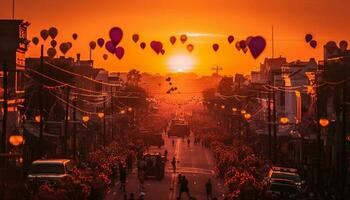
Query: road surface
x=194 y=161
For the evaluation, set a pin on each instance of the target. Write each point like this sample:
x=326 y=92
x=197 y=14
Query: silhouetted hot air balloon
x=183 y=38
x=92 y=45
x=313 y=43
x=308 y=38
x=53 y=32
x=162 y=51
x=64 y=47
x=110 y=47
x=190 y=47
x=116 y=35
x=51 y=52
x=238 y=47
x=247 y=41
x=119 y=52
x=230 y=39
x=35 y=40
x=242 y=44
x=105 y=56
x=331 y=47
x=44 y=34
x=70 y=45
x=100 y=42
x=74 y=36
x=256 y=46
x=157 y=46
x=168 y=79
x=53 y=43
x=172 y=40
x=343 y=45
x=135 y=38
x=215 y=47
x=170 y=83
x=245 y=50
x=142 y=45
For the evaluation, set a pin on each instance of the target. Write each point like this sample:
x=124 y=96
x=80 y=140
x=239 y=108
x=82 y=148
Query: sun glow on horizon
x=181 y=63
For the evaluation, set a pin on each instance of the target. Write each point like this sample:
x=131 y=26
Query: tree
x=133 y=77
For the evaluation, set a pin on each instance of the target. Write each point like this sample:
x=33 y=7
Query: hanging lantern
x=101 y=115
x=130 y=109
x=247 y=116
x=86 y=118
x=16 y=140
x=243 y=112
x=37 y=118
x=323 y=122
x=223 y=106
x=122 y=112
x=234 y=109
x=284 y=120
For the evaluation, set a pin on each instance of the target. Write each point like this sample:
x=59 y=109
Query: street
x=195 y=162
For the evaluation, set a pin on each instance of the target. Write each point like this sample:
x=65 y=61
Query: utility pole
x=112 y=112
x=5 y=105
x=216 y=69
x=41 y=123
x=269 y=122
x=13 y=9
x=74 y=128
x=65 y=146
x=343 y=140
x=274 y=125
x=104 y=121
x=273 y=43
x=318 y=140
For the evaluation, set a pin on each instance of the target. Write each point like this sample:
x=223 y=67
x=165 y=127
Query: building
x=13 y=46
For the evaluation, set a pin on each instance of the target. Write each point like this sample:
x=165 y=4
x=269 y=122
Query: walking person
x=173 y=163
x=122 y=177
x=184 y=187
x=188 y=142
x=209 y=189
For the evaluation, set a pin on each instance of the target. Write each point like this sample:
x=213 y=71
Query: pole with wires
x=41 y=107
x=65 y=147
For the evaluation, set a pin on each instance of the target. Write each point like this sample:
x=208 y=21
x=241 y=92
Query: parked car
x=179 y=128
x=282 y=189
x=49 y=171
x=283 y=173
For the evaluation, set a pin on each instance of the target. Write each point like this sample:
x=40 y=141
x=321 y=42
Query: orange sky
x=159 y=19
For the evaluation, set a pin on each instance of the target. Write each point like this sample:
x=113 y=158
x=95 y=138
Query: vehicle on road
x=283 y=173
x=282 y=189
x=152 y=138
x=49 y=171
x=179 y=128
x=155 y=165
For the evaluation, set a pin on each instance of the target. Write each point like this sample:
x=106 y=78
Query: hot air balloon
x=238 y=47
x=313 y=43
x=190 y=47
x=168 y=79
x=256 y=46
x=53 y=32
x=157 y=46
x=119 y=52
x=92 y=45
x=110 y=47
x=53 y=43
x=230 y=39
x=172 y=40
x=100 y=42
x=308 y=37
x=142 y=45
x=35 y=40
x=69 y=45
x=44 y=34
x=51 y=52
x=183 y=38
x=247 y=41
x=331 y=47
x=245 y=50
x=343 y=45
x=215 y=47
x=105 y=56
x=74 y=36
x=162 y=51
x=242 y=44
x=64 y=47
x=116 y=35
x=135 y=38
x=170 y=83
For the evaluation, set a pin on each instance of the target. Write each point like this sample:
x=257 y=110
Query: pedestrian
x=173 y=163
x=173 y=142
x=122 y=177
x=129 y=162
x=184 y=187
x=132 y=196
x=188 y=142
x=209 y=189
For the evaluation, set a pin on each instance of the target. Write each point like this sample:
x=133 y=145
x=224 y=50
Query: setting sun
x=181 y=63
